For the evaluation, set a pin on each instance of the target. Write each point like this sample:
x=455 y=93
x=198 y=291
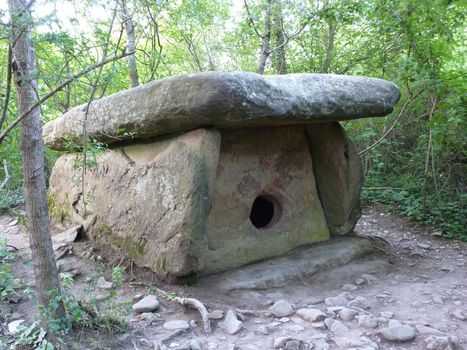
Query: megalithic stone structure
x=210 y=171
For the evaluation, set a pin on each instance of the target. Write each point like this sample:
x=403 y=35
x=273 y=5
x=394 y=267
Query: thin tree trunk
x=131 y=47
x=330 y=48
x=45 y=269
x=266 y=39
x=279 y=53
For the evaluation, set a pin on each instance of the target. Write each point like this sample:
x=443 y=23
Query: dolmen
x=209 y=171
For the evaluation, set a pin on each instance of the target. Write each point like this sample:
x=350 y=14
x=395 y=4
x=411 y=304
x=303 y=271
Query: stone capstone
x=399 y=333
x=223 y=100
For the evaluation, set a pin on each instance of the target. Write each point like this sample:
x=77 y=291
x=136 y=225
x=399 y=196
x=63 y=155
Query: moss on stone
x=58 y=212
x=128 y=246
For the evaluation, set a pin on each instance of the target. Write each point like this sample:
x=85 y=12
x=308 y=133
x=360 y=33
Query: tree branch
x=8 y=87
x=250 y=19
x=402 y=111
x=57 y=89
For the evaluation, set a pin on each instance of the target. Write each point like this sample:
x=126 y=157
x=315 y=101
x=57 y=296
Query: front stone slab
x=265 y=202
x=148 y=201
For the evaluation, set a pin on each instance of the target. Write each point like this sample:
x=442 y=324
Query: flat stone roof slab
x=223 y=100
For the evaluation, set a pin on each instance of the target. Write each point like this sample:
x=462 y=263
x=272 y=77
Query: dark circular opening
x=262 y=211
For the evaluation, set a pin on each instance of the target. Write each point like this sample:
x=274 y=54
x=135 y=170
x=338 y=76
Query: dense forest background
x=414 y=160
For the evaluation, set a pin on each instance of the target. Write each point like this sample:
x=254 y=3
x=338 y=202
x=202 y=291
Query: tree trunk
x=266 y=39
x=131 y=47
x=330 y=48
x=45 y=269
x=279 y=53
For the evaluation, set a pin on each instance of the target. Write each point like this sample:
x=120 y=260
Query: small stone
x=400 y=333
x=434 y=342
x=311 y=315
x=14 y=297
x=336 y=301
x=338 y=327
x=426 y=330
x=176 y=324
x=437 y=233
x=15 y=316
x=360 y=281
x=231 y=324
x=281 y=308
x=328 y=322
x=347 y=314
x=16 y=327
x=349 y=287
x=262 y=330
x=387 y=314
x=367 y=321
x=138 y=297
x=12 y=223
x=64 y=265
x=281 y=341
x=438 y=299
x=149 y=317
x=147 y=304
x=394 y=323
x=458 y=314
x=70 y=274
x=424 y=245
x=216 y=315
x=103 y=284
x=195 y=344
x=359 y=302
x=292 y=345
x=296 y=328
x=193 y=324
x=284 y=319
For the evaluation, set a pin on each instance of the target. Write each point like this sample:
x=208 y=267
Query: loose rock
x=338 y=327
x=347 y=314
x=216 y=315
x=281 y=308
x=16 y=327
x=148 y=304
x=459 y=315
x=359 y=302
x=103 y=284
x=336 y=301
x=311 y=315
x=231 y=324
x=367 y=321
x=176 y=324
x=400 y=333
x=434 y=342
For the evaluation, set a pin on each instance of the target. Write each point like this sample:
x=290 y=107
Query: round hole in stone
x=264 y=211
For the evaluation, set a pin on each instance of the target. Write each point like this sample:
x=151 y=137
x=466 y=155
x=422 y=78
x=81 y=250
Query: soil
x=415 y=274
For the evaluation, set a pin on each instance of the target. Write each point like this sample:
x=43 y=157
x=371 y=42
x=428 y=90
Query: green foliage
x=117 y=276
x=85 y=311
x=33 y=337
x=8 y=282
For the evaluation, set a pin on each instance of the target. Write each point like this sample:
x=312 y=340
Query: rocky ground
x=409 y=294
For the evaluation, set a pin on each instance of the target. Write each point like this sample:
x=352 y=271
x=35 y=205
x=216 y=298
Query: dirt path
x=416 y=280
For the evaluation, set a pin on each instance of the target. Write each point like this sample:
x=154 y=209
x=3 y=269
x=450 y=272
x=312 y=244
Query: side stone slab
x=339 y=175
x=148 y=201
x=223 y=100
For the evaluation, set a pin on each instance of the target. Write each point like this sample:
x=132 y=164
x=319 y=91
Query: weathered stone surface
x=281 y=308
x=149 y=201
x=148 y=304
x=224 y=100
x=231 y=324
x=338 y=173
x=398 y=333
x=311 y=315
x=250 y=165
x=176 y=324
